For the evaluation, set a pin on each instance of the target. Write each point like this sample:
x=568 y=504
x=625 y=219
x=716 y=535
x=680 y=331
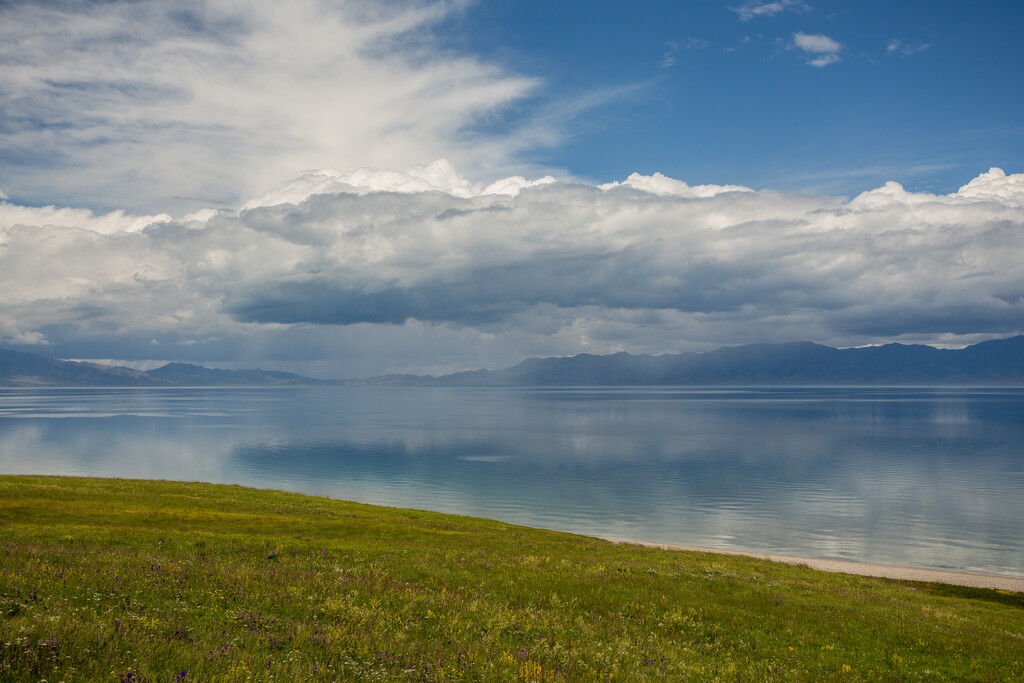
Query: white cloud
x=815 y=43
x=824 y=60
x=755 y=8
x=660 y=184
x=668 y=59
x=23 y=337
x=51 y=216
x=374 y=271
x=824 y=49
x=898 y=47
x=152 y=103
x=439 y=176
x=671 y=54
x=996 y=186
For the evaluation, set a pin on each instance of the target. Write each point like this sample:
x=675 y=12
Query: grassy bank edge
x=545 y=605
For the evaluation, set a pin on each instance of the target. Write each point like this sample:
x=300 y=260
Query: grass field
x=117 y=580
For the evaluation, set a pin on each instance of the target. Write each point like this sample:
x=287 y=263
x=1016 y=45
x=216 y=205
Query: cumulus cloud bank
x=379 y=265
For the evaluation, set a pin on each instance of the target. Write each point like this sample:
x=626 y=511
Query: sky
x=355 y=188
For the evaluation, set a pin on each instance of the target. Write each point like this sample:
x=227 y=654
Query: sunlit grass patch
x=128 y=580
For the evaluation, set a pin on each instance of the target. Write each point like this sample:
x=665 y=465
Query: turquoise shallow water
x=929 y=477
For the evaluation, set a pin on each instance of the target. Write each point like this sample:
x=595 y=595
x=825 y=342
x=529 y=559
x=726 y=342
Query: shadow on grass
x=968 y=592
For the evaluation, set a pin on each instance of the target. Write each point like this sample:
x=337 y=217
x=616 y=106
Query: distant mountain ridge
x=31 y=370
x=999 y=361
x=196 y=375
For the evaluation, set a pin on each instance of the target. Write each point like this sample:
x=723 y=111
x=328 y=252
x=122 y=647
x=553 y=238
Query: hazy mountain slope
x=999 y=361
x=29 y=369
x=197 y=375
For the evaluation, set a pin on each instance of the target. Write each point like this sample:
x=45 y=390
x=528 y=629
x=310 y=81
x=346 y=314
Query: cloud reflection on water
x=930 y=477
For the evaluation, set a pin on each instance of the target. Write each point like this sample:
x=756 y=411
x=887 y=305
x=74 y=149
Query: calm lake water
x=929 y=477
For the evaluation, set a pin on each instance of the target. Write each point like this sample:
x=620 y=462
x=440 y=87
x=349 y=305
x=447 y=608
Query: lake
x=930 y=477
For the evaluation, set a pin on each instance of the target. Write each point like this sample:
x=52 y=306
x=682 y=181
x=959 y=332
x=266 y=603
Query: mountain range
x=29 y=370
x=1000 y=361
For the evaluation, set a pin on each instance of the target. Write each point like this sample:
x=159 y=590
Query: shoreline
x=872 y=569
x=867 y=569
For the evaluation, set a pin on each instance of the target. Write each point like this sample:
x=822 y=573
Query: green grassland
x=115 y=580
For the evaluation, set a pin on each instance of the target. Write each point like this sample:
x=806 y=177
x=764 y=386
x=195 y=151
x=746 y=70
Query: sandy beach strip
x=885 y=571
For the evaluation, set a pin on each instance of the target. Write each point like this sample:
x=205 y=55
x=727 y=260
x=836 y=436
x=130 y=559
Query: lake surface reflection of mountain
x=924 y=476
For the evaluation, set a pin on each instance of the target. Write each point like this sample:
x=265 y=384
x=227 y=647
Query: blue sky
x=920 y=92
x=355 y=188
